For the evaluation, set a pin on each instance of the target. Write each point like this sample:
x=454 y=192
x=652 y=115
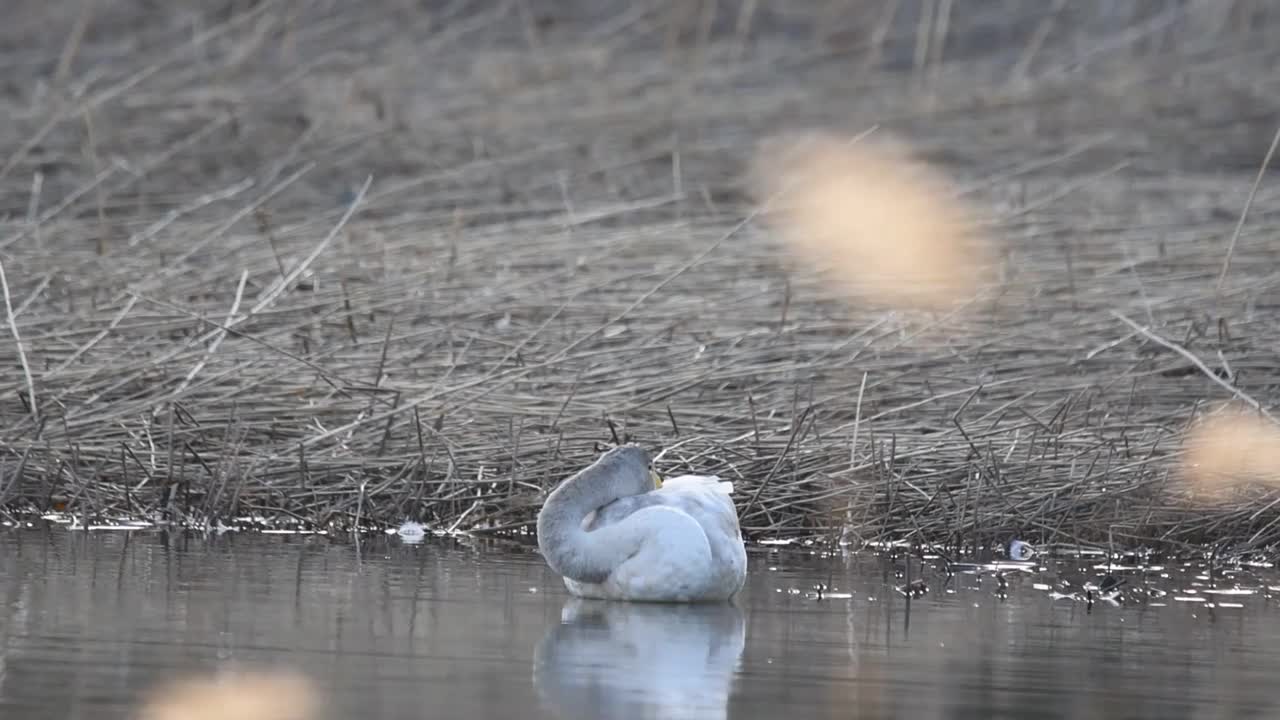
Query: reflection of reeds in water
x=886 y=226
x=1232 y=448
x=276 y=695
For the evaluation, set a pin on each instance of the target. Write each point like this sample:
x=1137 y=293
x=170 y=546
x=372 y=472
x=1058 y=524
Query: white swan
x=616 y=531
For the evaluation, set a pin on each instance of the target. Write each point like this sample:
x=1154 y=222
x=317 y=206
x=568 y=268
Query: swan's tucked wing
x=705 y=497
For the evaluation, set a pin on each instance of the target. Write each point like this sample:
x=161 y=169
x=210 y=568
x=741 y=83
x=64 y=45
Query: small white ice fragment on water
x=1184 y=598
x=1041 y=586
x=1230 y=591
x=411 y=532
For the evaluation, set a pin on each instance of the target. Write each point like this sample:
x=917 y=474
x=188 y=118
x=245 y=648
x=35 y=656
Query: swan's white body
x=612 y=540
x=703 y=560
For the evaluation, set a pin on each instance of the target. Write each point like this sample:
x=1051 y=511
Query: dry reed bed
x=219 y=318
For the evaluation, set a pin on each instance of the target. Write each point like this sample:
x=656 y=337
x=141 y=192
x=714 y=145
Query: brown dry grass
x=209 y=318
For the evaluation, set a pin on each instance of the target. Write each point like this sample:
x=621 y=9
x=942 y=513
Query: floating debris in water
x=1092 y=593
x=246 y=523
x=967 y=567
x=75 y=522
x=1068 y=550
x=1019 y=550
x=821 y=592
x=121 y=526
x=1111 y=583
x=1230 y=591
x=914 y=589
x=1111 y=567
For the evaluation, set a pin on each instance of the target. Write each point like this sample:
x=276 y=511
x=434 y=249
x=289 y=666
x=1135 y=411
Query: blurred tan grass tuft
x=887 y=227
x=1232 y=448
x=267 y=695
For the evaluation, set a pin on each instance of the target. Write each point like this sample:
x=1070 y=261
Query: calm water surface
x=443 y=630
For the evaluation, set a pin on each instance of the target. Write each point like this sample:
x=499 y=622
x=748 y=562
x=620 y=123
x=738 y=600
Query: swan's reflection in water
x=639 y=660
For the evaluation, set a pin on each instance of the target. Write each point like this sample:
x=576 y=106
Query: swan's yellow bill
x=657 y=479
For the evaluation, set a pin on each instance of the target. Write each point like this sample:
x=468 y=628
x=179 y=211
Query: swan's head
x=622 y=472
x=631 y=466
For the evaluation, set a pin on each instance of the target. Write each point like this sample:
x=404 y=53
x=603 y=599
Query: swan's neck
x=586 y=557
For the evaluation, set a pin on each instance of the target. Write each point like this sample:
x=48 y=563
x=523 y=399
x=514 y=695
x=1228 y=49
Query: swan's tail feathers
x=699 y=481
